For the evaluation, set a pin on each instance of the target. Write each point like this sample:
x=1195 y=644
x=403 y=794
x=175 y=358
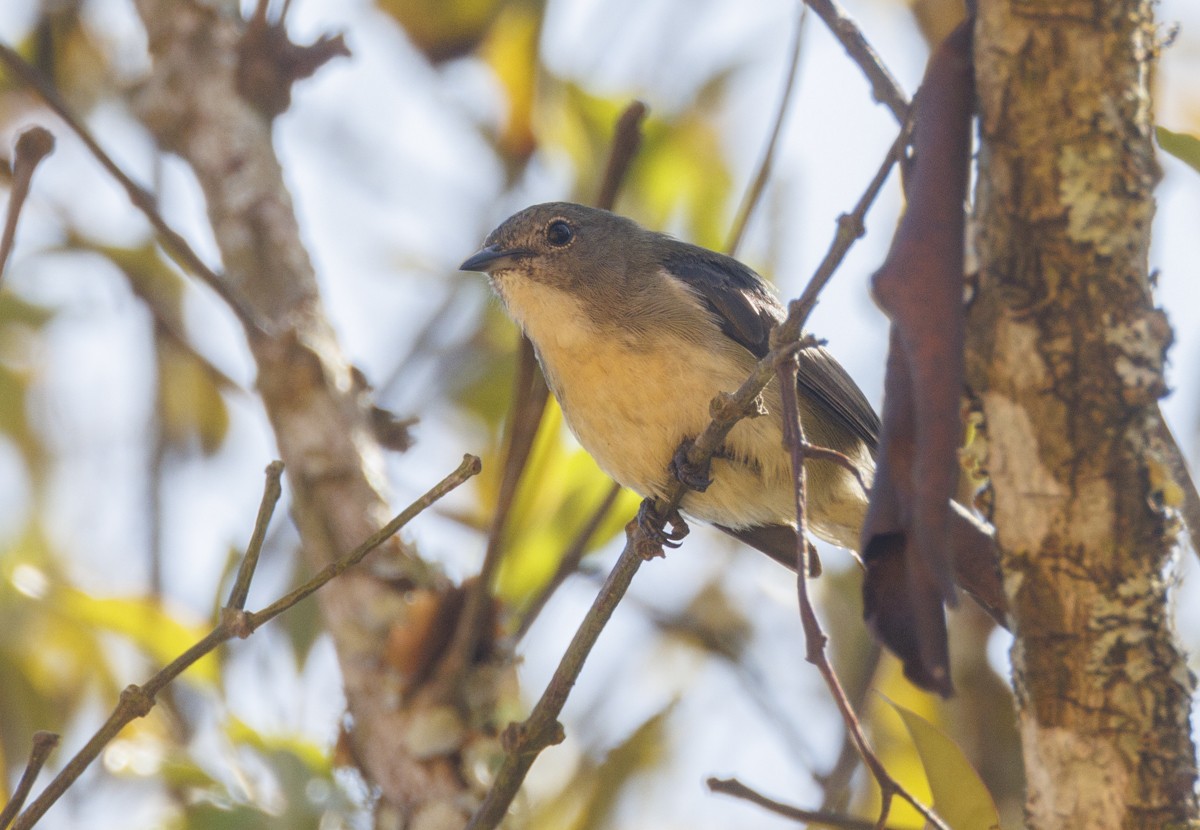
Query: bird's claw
x=653 y=527
x=695 y=477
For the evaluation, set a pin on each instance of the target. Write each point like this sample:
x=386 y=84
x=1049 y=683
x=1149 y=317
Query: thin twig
x=569 y=562
x=524 y=742
x=137 y=701
x=836 y=782
x=735 y=788
x=883 y=84
x=759 y=182
x=32 y=145
x=141 y=198
x=627 y=137
x=43 y=744
x=272 y=490
x=814 y=637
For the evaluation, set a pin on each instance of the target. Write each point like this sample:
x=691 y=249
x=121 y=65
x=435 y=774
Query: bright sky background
x=393 y=192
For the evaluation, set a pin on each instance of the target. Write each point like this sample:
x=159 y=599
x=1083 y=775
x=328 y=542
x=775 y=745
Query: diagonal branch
x=883 y=84
x=140 y=197
x=137 y=701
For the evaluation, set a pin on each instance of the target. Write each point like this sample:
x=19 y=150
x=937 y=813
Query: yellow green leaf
x=1182 y=146
x=442 y=29
x=959 y=795
x=144 y=621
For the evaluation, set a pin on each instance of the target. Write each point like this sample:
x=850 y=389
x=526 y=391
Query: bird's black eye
x=559 y=233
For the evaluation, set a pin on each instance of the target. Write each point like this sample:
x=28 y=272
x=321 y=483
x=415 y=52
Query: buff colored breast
x=631 y=407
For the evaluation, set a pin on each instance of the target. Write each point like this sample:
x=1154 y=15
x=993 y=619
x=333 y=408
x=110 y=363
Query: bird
x=637 y=331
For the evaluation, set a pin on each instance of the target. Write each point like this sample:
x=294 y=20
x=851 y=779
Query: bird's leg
x=653 y=525
x=693 y=476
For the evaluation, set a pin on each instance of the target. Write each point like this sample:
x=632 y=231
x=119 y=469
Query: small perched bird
x=636 y=332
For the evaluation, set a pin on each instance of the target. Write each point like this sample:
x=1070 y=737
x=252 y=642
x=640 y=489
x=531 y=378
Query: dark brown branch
x=32 y=145
x=883 y=85
x=814 y=637
x=141 y=198
x=137 y=701
x=759 y=181
x=43 y=744
x=735 y=788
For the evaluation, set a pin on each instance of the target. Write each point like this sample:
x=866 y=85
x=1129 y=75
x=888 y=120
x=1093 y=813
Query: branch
x=735 y=788
x=137 y=701
x=883 y=84
x=523 y=742
x=32 y=145
x=814 y=636
x=141 y=198
x=43 y=744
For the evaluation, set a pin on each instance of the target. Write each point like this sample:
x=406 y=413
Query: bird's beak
x=493 y=258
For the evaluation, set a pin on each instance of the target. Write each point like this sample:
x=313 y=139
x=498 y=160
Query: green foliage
x=1184 y=147
x=959 y=796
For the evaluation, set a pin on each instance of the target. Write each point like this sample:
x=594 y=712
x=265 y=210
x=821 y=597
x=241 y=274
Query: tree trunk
x=1066 y=355
x=416 y=742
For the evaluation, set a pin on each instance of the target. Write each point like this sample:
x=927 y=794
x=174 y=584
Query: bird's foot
x=693 y=476
x=653 y=527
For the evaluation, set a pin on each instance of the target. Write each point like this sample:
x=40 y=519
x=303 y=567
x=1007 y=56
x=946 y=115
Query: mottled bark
x=418 y=746
x=1066 y=355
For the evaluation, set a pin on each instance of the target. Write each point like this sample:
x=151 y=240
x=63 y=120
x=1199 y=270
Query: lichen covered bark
x=1065 y=354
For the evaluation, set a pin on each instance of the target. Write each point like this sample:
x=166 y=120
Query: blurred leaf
x=937 y=18
x=190 y=401
x=16 y=311
x=712 y=622
x=151 y=277
x=561 y=488
x=63 y=49
x=959 y=796
x=1184 y=147
x=588 y=800
x=511 y=50
x=143 y=621
x=18 y=321
x=679 y=175
x=443 y=29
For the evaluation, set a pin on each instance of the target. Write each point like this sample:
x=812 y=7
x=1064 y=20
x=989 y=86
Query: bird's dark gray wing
x=744 y=306
x=746 y=310
x=822 y=379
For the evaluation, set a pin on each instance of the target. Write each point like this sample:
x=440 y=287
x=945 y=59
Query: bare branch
x=141 y=198
x=735 y=788
x=43 y=744
x=138 y=701
x=32 y=145
x=814 y=636
x=883 y=84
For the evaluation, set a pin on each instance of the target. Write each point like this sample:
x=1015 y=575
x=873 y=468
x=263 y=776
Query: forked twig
x=137 y=701
x=814 y=636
